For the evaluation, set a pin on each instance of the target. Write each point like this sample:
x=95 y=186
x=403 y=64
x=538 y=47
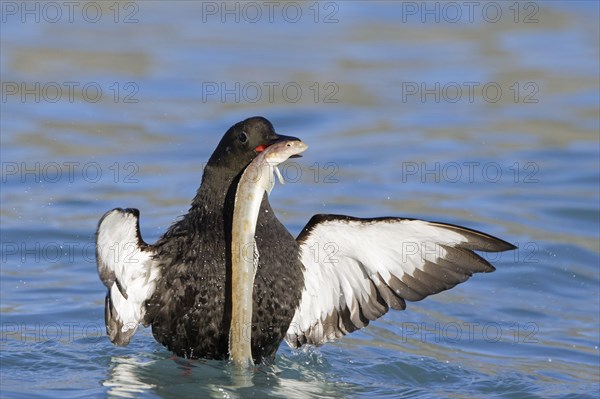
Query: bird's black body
x=190 y=310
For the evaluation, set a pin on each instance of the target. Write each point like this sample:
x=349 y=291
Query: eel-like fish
x=255 y=181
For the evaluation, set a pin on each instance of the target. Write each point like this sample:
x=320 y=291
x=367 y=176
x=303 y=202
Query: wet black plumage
x=190 y=311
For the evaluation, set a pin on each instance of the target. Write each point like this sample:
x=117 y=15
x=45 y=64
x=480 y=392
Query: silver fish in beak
x=255 y=181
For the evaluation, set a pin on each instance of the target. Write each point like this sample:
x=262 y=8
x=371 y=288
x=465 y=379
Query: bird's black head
x=242 y=142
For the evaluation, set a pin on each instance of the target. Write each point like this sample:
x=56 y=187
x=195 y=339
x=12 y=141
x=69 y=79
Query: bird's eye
x=243 y=137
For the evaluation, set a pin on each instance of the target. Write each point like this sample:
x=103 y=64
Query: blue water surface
x=490 y=121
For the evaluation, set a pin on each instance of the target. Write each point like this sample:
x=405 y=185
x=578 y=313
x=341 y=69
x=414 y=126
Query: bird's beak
x=276 y=139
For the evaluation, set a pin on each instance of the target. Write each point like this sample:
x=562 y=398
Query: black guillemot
x=339 y=273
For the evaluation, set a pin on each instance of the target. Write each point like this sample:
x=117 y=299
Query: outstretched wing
x=126 y=267
x=356 y=269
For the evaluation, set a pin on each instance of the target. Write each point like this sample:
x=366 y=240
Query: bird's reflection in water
x=124 y=379
x=297 y=376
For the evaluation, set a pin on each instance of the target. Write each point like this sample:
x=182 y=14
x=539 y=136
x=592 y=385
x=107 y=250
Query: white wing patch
x=356 y=269
x=127 y=268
